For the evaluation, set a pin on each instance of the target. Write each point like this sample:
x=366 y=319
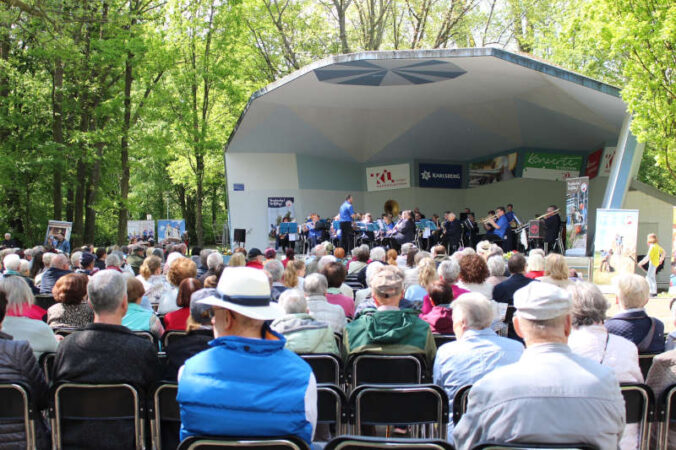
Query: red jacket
x=255 y=264
x=440 y=319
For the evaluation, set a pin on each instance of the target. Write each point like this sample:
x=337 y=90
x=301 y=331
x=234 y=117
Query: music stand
x=240 y=237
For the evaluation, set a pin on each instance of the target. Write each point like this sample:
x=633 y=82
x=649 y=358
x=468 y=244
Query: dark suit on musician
x=552 y=227
x=405 y=232
x=452 y=233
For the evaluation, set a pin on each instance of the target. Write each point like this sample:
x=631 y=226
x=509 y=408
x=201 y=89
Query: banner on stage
x=614 y=244
x=279 y=208
x=501 y=168
x=447 y=176
x=551 y=166
x=383 y=178
x=577 y=203
x=141 y=229
x=55 y=227
x=170 y=229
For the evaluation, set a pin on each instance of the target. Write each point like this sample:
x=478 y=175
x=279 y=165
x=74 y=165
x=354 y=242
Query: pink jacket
x=440 y=319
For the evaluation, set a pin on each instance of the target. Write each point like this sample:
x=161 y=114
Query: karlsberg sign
x=447 y=176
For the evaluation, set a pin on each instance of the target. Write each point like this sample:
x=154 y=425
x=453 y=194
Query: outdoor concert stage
x=437 y=129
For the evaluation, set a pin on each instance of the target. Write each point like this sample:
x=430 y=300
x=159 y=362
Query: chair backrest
x=165 y=416
x=667 y=415
x=460 y=403
x=410 y=404
x=105 y=412
x=363 y=442
x=353 y=281
x=639 y=402
x=44 y=301
x=496 y=446
x=47 y=363
x=220 y=443
x=331 y=406
x=441 y=339
x=645 y=361
x=17 y=407
x=328 y=368
x=339 y=340
x=171 y=336
x=366 y=368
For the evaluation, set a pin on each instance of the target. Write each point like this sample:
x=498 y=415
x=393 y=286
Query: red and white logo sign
x=381 y=178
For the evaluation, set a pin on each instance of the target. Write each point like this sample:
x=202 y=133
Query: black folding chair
x=165 y=417
x=151 y=337
x=171 y=336
x=667 y=415
x=331 y=406
x=460 y=403
x=441 y=339
x=44 y=301
x=496 y=446
x=328 y=368
x=46 y=361
x=369 y=368
x=645 y=361
x=17 y=407
x=639 y=403
x=220 y=443
x=101 y=411
x=364 y=443
x=425 y=406
x=339 y=340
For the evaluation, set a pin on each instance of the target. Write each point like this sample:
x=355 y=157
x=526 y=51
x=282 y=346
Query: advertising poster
x=607 y=161
x=140 y=229
x=448 y=176
x=57 y=227
x=577 y=202
x=551 y=166
x=384 y=178
x=593 y=164
x=614 y=244
x=279 y=208
x=170 y=229
x=501 y=168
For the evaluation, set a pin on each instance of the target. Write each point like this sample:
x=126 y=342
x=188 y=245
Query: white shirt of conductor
x=550 y=395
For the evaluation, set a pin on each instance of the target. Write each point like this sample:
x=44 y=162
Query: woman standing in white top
x=589 y=338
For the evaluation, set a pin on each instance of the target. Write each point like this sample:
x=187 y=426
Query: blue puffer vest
x=245 y=387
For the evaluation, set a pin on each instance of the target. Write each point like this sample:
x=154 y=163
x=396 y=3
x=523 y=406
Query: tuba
x=392 y=208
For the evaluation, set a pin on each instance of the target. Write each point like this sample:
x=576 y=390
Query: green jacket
x=391 y=332
x=135 y=262
x=305 y=335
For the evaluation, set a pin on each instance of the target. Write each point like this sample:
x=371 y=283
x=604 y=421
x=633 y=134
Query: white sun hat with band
x=246 y=291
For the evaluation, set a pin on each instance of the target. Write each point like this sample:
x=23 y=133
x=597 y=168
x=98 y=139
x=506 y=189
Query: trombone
x=525 y=224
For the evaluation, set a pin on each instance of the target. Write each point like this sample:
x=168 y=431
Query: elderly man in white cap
x=550 y=395
x=246 y=383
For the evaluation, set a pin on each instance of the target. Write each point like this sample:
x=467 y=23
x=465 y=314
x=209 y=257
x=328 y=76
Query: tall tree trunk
x=70 y=201
x=78 y=212
x=57 y=136
x=5 y=46
x=92 y=191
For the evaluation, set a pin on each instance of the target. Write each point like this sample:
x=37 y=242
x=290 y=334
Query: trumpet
x=525 y=224
x=486 y=219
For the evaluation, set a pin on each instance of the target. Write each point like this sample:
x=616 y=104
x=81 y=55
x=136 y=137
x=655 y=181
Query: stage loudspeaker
x=536 y=229
x=240 y=235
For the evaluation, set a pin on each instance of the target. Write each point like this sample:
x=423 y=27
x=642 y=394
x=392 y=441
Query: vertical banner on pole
x=577 y=202
x=614 y=244
x=672 y=277
x=279 y=208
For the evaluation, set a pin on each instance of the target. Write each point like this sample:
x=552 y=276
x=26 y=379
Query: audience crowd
x=543 y=359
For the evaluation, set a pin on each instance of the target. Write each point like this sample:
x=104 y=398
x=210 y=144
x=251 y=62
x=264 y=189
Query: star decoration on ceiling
x=388 y=73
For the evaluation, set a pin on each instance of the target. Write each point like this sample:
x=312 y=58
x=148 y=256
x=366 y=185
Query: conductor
x=346 y=214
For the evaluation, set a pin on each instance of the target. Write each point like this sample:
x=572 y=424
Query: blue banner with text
x=447 y=176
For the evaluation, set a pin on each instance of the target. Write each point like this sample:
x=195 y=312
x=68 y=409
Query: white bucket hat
x=246 y=291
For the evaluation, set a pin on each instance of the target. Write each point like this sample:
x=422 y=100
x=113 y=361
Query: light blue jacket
x=251 y=387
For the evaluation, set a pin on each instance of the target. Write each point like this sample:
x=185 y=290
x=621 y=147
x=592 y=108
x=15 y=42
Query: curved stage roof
x=448 y=105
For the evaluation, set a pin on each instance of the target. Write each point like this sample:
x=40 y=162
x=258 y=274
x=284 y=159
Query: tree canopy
x=114 y=109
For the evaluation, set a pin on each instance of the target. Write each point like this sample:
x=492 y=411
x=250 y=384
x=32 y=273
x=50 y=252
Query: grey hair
x=315 y=284
x=18 y=292
x=275 y=269
x=320 y=250
x=449 y=270
x=475 y=308
x=106 y=290
x=24 y=266
x=59 y=261
x=378 y=254
x=496 y=265
x=632 y=290
x=536 y=262
x=589 y=304
x=47 y=259
x=75 y=259
x=204 y=254
x=12 y=262
x=214 y=259
x=405 y=248
x=355 y=252
x=293 y=301
x=371 y=270
x=324 y=260
x=158 y=252
x=113 y=260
